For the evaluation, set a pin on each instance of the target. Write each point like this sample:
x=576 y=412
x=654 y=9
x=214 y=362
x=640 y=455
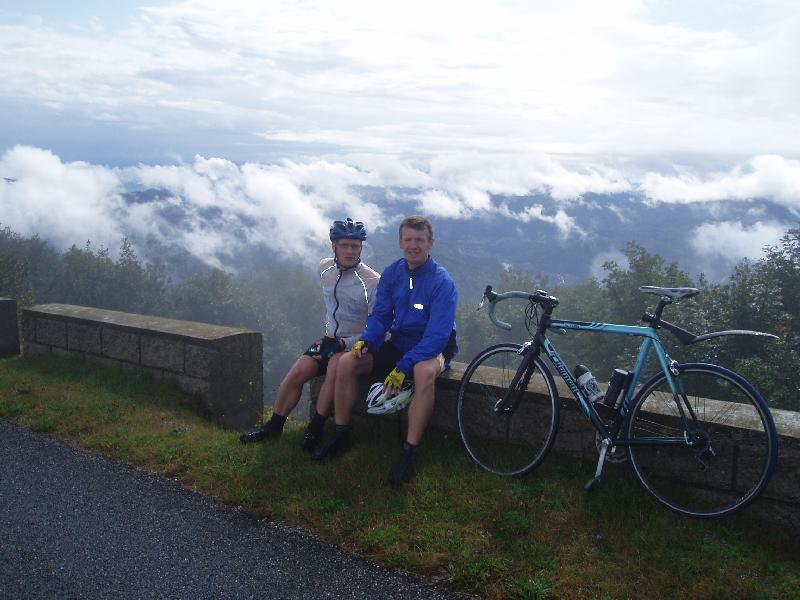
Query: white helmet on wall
x=379 y=404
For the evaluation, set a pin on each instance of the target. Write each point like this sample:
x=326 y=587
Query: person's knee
x=425 y=374
x=303 y=370
x=347 y=365
x=296 y=377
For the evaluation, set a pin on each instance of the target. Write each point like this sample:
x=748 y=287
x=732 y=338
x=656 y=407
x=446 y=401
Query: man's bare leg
x=345 y=397
x=315 y=428
x=419 y=415
x=303 y=369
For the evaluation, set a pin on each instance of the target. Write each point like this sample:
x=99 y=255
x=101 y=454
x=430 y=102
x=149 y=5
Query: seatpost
x=660 y=308
x=655 y=318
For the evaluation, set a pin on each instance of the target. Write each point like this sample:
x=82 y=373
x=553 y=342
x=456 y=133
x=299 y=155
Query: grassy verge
x=538 y=537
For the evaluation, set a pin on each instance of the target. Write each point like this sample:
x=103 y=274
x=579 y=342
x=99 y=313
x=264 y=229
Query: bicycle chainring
x=615 y=455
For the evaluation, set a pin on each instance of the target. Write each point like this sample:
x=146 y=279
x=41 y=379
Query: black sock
x=409 y=448
x=317 y=422
x=343 y=428
x=277 y=420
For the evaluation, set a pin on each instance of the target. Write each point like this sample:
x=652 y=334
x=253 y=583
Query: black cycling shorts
x=384 y=360
x=324 y=353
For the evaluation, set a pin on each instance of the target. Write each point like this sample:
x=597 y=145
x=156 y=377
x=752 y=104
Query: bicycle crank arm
x=601 y=463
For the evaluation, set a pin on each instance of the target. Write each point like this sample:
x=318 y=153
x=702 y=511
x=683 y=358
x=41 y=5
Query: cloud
x=564 y=223
x=215 y=209
x=264 y=81
x=66 y=203
x=286 y=208
x=730 y=240
x=596 y=268
x=770 y=176
x=211 y=208
x=436 y=203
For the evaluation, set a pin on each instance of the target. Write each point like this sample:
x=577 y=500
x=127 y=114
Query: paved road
x=77 y=525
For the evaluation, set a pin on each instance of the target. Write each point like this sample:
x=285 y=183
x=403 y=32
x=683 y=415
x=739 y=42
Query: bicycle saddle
x=673 y=293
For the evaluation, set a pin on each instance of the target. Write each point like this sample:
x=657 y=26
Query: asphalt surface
x=78 y=525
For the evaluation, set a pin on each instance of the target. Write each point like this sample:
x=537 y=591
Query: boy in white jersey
x=348 y=288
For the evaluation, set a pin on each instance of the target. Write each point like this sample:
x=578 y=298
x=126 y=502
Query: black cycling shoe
x=311 y=438
x=403 y=469
x=267 y=431
x=337 y=444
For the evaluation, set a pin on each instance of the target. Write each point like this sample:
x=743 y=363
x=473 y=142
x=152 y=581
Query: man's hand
x=330 y=346
x=359 y=349
x=314 y=350
x=393 y=382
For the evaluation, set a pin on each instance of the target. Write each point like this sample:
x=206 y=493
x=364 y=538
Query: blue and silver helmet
x=349 y=229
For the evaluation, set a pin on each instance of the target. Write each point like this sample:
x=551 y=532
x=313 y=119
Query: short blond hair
x=417 y=222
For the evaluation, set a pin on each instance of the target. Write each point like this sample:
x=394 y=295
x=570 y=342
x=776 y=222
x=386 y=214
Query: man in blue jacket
x=415 y=309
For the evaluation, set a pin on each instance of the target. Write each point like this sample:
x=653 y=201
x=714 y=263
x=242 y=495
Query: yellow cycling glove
x=356 y=349
x=395 y=379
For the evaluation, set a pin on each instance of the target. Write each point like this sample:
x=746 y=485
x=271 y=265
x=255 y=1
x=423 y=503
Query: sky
x=282 y=110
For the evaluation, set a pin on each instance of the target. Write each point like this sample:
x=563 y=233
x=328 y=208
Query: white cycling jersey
x=349 y=295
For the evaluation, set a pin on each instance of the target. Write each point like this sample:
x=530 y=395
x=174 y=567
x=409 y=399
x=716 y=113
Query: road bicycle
x=698 y=436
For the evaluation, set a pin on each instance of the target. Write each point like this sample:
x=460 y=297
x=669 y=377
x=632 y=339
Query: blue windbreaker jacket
x=418 y=308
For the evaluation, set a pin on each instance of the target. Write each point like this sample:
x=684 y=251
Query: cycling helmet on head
x=349 y=229
x=379 y=404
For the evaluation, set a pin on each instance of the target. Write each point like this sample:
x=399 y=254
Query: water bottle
x=615 y=386
x=588 y=384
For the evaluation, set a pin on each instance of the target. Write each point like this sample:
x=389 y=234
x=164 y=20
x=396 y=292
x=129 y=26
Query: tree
x=206 y=298
x=14 y=278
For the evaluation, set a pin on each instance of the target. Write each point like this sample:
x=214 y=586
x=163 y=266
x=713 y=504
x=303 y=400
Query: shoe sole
x=331 y=453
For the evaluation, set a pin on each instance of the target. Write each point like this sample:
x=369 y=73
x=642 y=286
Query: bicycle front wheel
x=513 y=441
x=722 y=460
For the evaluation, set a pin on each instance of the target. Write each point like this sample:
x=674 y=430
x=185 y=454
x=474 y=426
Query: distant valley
x=476 y=249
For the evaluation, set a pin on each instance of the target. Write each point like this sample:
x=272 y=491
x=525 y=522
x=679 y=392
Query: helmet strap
x=338 y=266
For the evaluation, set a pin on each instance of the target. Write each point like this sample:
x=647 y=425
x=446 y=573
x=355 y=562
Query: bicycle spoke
x=730 y=444
x=514 y=440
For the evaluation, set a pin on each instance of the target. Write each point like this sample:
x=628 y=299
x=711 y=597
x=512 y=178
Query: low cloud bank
x=214 y=208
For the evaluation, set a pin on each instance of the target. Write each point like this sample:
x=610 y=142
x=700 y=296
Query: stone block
x=9 y=328
x=190 y=385
x=164 y=353
x=34 y=349
x=201 y=361
x=120 y=344
x=84 y=338
x=785 y=483
x=64 y=353
x=28 y=327
x=109 y=363
x=241 y=380
x=51 y=332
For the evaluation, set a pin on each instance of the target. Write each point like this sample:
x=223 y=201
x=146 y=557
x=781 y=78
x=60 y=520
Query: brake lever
x=481 y=305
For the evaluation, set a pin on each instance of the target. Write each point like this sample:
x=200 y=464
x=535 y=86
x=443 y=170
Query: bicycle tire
x=513 y=443
x=736 y=443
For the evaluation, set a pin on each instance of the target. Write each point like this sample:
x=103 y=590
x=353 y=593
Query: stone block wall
x=9 y=328
x=219 y=367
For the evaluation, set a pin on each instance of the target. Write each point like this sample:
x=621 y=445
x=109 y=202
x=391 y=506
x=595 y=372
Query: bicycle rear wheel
x=512 y=442
x=723 y=461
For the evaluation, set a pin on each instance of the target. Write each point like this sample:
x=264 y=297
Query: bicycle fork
x=510 y=400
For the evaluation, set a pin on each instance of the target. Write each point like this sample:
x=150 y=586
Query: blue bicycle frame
x=541 y=343
x=651 y=340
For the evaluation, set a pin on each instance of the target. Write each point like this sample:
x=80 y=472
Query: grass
x=537 y=537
